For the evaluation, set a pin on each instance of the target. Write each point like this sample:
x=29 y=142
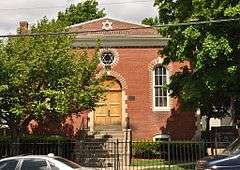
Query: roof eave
x=121 y=42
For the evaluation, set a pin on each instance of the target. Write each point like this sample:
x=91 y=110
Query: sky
x=13 y=11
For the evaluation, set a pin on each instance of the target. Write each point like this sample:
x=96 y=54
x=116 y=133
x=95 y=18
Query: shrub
x=149 y=150
x=175 y=151
x=40 y=145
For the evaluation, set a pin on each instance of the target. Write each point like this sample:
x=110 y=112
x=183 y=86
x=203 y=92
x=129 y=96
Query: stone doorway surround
x=125 y=118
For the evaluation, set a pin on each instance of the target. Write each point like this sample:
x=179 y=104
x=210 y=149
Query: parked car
x=39 y=162
x=228 y=160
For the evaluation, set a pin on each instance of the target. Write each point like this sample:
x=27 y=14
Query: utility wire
x=121 y=29
x=199 y=22
x=61 y=6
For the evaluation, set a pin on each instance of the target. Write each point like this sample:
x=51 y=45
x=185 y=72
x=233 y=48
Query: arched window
x=160 y=93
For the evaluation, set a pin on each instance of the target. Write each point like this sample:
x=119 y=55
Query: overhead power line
x=61 y=6
x=199 y=22
x=121 y=29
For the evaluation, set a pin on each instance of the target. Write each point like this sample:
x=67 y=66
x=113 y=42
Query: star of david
x=107 y=58
x=107 y=25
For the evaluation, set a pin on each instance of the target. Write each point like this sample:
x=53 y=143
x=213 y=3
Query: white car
x=39 y=162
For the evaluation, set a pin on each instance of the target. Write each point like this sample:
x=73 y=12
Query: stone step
x=108 y=127
x=109 y=134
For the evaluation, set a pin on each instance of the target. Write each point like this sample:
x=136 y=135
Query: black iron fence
x=121 y=155
x=177 y=155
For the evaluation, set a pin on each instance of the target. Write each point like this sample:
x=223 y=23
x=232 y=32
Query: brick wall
x=133 y=67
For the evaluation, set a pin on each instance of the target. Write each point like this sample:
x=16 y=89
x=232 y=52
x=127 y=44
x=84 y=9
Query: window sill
x=162 y=109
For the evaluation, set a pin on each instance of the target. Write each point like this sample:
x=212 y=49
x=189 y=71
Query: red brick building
x=136 y=100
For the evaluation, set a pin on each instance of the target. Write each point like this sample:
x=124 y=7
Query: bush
x=42 y=139
x=40 y=145
x=5 y=139
x=149 y=150
x=179 y=151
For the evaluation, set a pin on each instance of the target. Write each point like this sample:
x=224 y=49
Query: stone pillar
x=91 y=116
x=126 y=123
x=127 y=144
x=198 y=125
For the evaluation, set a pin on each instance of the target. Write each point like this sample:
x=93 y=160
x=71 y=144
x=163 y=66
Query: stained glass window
x=107 y=57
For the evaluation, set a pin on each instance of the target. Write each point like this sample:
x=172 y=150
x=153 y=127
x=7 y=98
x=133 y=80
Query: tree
x=81 y=12
x=42 y=75
x=150 y=21
x=212 y=82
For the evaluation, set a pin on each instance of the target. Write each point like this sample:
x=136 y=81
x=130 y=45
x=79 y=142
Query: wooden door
x=108 y=112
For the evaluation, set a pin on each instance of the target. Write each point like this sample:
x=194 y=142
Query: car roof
x=29 y=156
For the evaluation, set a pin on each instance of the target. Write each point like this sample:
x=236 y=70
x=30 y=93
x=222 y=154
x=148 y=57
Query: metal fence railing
x=121 y=155
x=177 y=155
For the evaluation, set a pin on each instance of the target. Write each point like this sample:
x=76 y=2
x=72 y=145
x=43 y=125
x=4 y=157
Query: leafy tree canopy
x=151 y=21
x=42 y=75
x=83 y=11
x=213 y=51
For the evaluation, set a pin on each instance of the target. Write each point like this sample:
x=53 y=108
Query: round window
x=107 y=57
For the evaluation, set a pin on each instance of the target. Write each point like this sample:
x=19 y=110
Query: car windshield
x=67 y=162
x=233 y=148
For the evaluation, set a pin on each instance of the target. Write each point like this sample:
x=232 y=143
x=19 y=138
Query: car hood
x=214 y=158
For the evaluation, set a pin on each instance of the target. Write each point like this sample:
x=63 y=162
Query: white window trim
x=160 y=108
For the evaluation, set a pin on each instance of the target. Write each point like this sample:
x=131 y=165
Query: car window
x=53 y=167
x=8 y=165
x=68 y=163
x=34 y=164
x=233 y=148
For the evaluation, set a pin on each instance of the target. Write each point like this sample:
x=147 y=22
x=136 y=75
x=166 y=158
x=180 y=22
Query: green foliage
x=211 y=82
x=55 y=138
x=162 y=149
x=42 y=74
x=233 y=11
x=83 y=11
x=150 y=21
x=34 y=139
x=147 y=150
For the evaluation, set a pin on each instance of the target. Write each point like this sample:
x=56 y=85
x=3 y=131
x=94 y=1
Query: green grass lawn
x=155 y=164
x=172 y=167
x=147 y=162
